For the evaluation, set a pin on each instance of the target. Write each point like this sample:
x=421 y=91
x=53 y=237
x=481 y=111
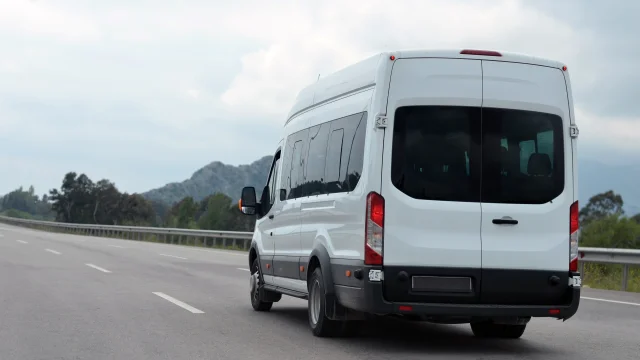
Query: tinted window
x=326 y=158
x=292 y=165
x=334 y=158
x=523 y=156
x=273 y=181
x=294 y=170
x=268 y=195
x=316 y=160
x=352 y=149
x=436 y=152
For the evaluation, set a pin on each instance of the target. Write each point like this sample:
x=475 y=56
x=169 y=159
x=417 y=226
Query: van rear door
x=527 y=184
x=431 y=181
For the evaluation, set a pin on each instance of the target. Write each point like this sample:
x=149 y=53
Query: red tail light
x=574 y=229
x=374 y=230
x=480 y=52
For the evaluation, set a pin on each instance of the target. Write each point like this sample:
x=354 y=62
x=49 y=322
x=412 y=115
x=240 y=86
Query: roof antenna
x=318 y=77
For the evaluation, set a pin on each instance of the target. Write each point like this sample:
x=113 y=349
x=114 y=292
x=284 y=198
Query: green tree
x=601 y=206
x=636 y=218
x=26 y=202
x=183 y=214
x=80 y=200
x=217 y=215
x=613 y=231
x=135 y=210
x=107 y=200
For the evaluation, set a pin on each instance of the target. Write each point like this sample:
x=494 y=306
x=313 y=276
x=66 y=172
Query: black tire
x=499 y=331
x=256 y=292
x=321 y=326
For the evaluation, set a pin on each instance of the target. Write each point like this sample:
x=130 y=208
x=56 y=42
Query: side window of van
x=294 y=170
x=292 y=176
x=269 y=199
x=345 y=152
x=324 y=159
x=314 y=182
x=273 y=181
x=356 y=153
x=334 y=157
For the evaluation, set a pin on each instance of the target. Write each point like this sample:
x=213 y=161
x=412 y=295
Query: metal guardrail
x=242 y=240
x=205 y=238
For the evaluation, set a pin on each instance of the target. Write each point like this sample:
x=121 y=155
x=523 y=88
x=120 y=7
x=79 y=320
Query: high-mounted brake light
x=574 y=229
x=374 y=229
x=480 y=52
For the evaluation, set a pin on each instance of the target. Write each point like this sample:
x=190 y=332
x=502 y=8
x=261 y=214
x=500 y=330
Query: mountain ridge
x=211 y=178
x=595 y=177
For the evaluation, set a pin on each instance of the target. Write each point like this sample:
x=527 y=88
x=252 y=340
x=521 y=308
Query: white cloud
x=321 y=39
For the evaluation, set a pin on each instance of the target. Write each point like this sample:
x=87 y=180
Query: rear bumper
x=370 y=298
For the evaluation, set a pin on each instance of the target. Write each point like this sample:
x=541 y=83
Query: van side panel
x=336 y=220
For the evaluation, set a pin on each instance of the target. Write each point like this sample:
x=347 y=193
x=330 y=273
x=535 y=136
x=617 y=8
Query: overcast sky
x=146 y=92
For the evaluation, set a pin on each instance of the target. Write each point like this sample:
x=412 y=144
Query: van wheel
x=256 y=293
x=502 y=331
x=321 y=326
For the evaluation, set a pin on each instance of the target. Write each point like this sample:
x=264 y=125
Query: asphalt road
x=77 y=297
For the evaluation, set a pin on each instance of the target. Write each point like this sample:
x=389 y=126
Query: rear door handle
x=505 y=221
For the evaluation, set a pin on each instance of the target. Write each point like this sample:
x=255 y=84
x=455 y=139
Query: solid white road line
x=173 y=256
x=22 y=241
x=52 y=251
x=98 y=268
x=610 y=301
x=243 y=269
x=179 y=303
x=117 y=246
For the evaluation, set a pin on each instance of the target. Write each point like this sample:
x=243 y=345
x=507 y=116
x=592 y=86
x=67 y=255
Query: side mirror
x=247 y=203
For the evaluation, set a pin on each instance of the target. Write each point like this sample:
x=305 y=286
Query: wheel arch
x=253 y=254
x=319 y=257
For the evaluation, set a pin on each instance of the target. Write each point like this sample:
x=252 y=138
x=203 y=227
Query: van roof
x=362 y=75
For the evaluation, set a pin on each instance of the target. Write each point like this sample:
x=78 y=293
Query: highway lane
x=54 y=306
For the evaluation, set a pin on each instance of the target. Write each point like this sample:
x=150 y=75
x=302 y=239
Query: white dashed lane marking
x=610 y=301
x=173 y=256
x=179 y=303
x=98 y=268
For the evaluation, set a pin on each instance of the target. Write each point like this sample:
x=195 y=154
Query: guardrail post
x=625 y=274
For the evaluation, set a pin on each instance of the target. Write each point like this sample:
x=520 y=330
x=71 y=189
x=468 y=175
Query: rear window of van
x=472 y=154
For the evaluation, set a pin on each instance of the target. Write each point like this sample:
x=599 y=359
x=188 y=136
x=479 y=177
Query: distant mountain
x=215 y=177
x=595 y=177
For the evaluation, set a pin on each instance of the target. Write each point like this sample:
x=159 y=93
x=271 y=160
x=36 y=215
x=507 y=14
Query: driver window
x=271 y=185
